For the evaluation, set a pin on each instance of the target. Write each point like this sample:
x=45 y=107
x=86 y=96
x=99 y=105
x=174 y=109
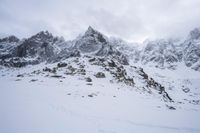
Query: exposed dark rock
x=57 y=76
x=91 y=60
x=186 y=90
x=100 y=75
x=61 y=64
x=46 y=69
x=81 y=66
x=14 y=62
x=90 y=95
x=170 y=107
x=143 y=74
x=20 y=75
x=70 y=70
x=88 y=79
x=33 y=80
x=112 y=64
x=81 y=71
x=195 y=102
x=10 y=39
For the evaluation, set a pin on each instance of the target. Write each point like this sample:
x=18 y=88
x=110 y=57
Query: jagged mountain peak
x=10 y=39
x=42 y=35
x=90 y=30
x=45 y=32
x=91 y=42
x=92 y=33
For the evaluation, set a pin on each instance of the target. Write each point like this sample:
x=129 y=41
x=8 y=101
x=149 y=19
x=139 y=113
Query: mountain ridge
x=162 y=53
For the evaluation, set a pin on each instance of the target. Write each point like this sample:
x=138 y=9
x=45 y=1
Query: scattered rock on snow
x=170 y=107
x=100 y=75
x=92 y=95
x=46 y=69
x=57 y=76
x=61 y=64
x=186 y=90
x=20 y=75
x=33 y=80
x=88 y=79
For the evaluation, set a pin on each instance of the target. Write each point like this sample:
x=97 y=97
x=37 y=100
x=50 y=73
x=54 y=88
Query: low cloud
x=133 y=20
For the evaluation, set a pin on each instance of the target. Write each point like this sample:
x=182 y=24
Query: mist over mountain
x=99 y=83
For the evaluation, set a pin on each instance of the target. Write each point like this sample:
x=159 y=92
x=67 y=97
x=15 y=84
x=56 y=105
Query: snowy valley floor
x=70 y=105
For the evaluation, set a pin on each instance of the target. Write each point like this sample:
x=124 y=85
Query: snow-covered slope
x=74 y=96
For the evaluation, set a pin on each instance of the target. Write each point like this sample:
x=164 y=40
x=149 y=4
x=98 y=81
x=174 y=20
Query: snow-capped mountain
x=164 y=53
x=161 y=53
x=102 y=81
x=169 y=53
x=113 y=55
x=92 y=46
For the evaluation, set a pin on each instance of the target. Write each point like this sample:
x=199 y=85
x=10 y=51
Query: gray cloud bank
x=133 y=20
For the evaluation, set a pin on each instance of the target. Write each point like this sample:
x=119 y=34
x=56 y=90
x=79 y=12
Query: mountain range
x=96 y=83
x=44 y=47
x=123 y=61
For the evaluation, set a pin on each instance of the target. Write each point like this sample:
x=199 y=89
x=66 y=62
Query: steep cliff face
x=162 y=53
x=7 y=46
x=39 y=45
x=191 y=50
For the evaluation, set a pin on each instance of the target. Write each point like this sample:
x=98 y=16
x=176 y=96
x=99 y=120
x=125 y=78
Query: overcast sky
x=132 y=20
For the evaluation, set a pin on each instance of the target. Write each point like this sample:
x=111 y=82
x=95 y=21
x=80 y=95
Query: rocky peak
x=39 y=45
x=92 y=33
x=10 y=39
x=43 y=36
x=44 y=33
x=91 y=42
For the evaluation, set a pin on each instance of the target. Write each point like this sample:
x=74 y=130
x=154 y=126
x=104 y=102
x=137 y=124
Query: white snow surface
x=38 y=103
